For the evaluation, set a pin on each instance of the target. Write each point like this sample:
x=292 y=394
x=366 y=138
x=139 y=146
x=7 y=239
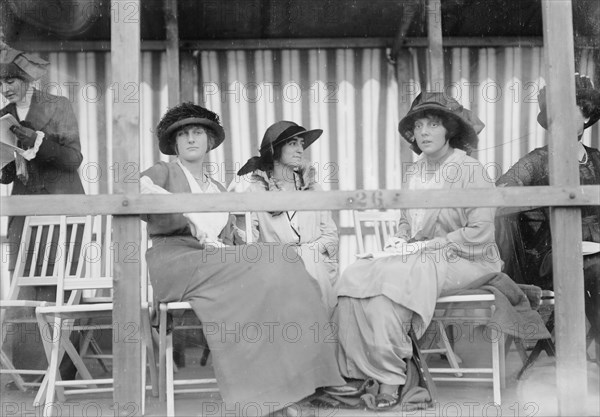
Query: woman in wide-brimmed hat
x=533 y=169
x=46 y=128
x=251 y=286
x=436 y=252
x=280 y=166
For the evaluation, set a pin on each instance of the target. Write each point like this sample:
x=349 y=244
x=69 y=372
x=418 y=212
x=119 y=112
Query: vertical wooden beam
x=435 y=58
x=567 y=262
x=125 y=62
x=172 y=28
x=406 y=89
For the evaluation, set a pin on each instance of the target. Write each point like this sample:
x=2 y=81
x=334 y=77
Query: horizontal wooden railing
x=132 y=204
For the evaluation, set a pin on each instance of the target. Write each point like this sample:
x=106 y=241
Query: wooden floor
x=535 y=395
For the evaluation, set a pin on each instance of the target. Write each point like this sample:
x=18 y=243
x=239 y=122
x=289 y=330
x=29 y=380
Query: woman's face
x=191 y=142
x=291 y=152
x=430 y=135
x=14 y=89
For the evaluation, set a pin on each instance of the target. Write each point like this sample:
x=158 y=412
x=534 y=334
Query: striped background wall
x=351 y=94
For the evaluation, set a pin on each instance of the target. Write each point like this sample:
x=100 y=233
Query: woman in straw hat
x=378 y=299
x=46 y=128
x=255 y=287
x=532 y=170
x=281 y=167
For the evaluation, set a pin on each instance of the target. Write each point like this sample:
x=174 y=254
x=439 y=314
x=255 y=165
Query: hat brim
x=11 y=70
x=585 y=94
x=309 y=136
x=467 y=136
x=164 y=141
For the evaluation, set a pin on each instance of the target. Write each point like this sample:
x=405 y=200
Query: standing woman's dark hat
x=586 y=97
x=18 y=64
x=183 y=115
x=277 y=134
x=469 y=124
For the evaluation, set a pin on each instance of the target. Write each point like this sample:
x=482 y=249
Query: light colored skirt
x=373 y=339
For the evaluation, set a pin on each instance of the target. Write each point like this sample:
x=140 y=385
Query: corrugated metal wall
x=349 y=93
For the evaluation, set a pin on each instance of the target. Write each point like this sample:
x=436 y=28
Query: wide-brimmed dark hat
x=586 y=97
x=18 y=64
x=439 y=103
x=183 y=115
x=278 y=133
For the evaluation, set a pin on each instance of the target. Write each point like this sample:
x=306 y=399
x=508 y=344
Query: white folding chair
x=40 y=261
x=474 y=309
x=167 y=381
x=90 y=299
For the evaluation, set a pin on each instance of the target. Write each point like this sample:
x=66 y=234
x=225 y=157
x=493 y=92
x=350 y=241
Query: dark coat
x=54 y=169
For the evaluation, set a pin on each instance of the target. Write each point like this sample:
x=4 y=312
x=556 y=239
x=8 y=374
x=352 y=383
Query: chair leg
x=170 y=382
x=448 y=347
x=5 y=362
x=148 y=340
x=162 y=373
x=53 y=369
x=496 y=366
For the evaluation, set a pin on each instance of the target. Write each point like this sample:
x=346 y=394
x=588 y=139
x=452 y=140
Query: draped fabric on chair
x=351 y=93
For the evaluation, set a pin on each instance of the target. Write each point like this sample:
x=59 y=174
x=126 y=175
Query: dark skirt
x=263 y=318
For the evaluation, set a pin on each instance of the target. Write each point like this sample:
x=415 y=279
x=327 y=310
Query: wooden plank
x=125 y=62
x=131 y=203
x=172 y=28
x=304 y=43
x=567 y=262
x=435 y=58
x=404 y=77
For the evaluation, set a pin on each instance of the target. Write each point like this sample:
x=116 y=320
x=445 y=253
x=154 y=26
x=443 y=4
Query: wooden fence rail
x=131 y=204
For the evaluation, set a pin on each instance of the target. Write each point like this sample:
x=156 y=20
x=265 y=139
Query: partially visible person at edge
x=379 y=299
x=281 y=167
x=47 y=129
x=533 y=170
x=188 y=261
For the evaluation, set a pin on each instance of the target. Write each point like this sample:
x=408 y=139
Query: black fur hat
x=183 y=115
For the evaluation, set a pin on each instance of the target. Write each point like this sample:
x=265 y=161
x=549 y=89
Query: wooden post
x=435 y=58
x=406 y=89
x=567 y=262
x=125 y=61
x=172 y=28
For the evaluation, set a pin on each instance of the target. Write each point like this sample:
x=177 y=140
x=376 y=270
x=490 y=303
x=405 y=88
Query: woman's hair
x=589 y=107
x=267 y=163
x=451 y=125
x=212 y=137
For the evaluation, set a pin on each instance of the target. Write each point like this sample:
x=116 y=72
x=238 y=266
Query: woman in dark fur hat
x=252 y=286
x=533 y=169
x=281 y=167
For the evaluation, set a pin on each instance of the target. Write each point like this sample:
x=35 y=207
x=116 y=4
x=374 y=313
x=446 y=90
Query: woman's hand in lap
x=198 y=233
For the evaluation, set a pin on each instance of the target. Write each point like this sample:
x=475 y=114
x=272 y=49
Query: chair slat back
x=44 y=253
x=78 y=241
x=380 y=225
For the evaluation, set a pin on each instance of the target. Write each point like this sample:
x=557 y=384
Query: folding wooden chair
x=449 y=310
x=167 y=381
x=58 y=321
x=40 y=261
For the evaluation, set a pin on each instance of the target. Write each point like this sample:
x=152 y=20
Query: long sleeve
x=9 y=173
x=479 y=226
x=329 y=238
x=61 y=146
x=528 y=170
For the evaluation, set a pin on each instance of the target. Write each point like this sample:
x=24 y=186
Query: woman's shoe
x=384 y=401
x=343 y=391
